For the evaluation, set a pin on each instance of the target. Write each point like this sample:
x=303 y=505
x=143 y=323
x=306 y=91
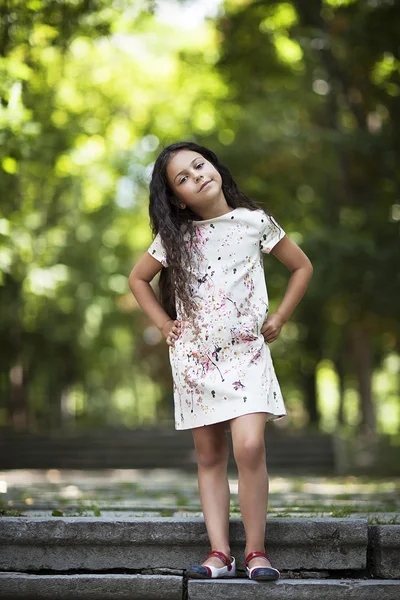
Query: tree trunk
x=17 y=366
x=362 y=360
x=310 y=398
x=340 y=370
x=18 y=413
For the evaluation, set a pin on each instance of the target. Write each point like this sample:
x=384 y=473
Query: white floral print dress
x=221 y=365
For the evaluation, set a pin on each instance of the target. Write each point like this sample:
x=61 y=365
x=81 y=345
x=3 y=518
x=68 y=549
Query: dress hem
x=272 y=417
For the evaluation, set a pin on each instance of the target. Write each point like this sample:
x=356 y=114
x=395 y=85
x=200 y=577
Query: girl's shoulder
x=251 y=214
x=258 y=215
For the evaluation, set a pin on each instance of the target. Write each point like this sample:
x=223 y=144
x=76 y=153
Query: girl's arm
x=293 y=257
x=139 y=282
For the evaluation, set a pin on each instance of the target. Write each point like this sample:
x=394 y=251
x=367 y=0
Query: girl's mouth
x=204 y=185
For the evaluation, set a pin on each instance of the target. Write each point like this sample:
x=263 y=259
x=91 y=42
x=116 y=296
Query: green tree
x=314 y=89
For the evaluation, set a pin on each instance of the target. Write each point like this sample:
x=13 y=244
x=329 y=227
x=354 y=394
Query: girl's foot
x=217 y=564
x=259 y=567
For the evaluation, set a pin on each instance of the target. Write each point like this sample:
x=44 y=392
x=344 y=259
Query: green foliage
x=377 y=520
x=342 y=512
x=318 y=135
x=300 y=101
x=84 y=510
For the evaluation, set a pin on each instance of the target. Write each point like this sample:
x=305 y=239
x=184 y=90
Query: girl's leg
x=212 y=453
x=249 y=451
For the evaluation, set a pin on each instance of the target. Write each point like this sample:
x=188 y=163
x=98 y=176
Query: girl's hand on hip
x=171 y=330
x=272 y=327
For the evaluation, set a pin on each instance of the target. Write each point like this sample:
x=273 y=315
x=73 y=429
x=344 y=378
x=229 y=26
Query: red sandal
x=260 y=573
x=210 y=572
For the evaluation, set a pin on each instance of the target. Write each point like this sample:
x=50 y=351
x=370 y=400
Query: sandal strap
x=227 y=561
x=252 y=555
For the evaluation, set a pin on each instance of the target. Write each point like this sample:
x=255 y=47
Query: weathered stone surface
x=296 y=589
x=310 y=544
x=91 y=544
x=384 y=550
x=14 y=586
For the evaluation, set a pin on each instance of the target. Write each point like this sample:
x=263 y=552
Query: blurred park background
x=300 y=99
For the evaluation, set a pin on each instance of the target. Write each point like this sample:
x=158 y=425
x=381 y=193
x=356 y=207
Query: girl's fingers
x=270 y=338
x=174 y=333
x=173 y=336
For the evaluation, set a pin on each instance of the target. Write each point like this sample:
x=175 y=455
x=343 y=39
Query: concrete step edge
x=295 y=589
x=167 y=531
x=66 y=544
x=15 y=585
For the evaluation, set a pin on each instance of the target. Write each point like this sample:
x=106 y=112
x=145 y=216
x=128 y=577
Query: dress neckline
x=214 y=218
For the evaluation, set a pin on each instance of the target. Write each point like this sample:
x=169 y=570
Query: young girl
x=213 y=312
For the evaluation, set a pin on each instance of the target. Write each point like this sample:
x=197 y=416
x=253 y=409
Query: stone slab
x=18 y=586
x=299 y=589
x=93 y=544
x=15 y=586
x=384 y=551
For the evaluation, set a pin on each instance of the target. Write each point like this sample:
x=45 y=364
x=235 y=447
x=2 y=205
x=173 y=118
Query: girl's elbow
x=310 y=269
x=132 y=279
x=305 y=267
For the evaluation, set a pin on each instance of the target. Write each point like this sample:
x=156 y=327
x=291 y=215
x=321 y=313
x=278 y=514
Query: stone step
x=190 y=512
x=294 y=589
x=16 y=586
x=61 y=544
x=91 y=544
x=122 y=586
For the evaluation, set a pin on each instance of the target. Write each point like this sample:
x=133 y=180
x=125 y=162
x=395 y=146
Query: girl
x=213 y=312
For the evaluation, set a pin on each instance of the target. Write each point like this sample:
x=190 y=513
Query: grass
x=166 y=512
x=82 y=510
x=290 y=497
x=375 y=520
x=341 y=513
x=10 y=512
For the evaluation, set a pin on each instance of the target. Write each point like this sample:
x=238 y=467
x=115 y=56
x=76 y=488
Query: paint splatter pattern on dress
x=221 y=366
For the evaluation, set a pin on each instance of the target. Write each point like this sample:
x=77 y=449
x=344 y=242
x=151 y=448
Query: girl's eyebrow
x=194 y=160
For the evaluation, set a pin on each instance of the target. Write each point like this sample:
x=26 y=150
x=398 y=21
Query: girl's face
x=187 y=172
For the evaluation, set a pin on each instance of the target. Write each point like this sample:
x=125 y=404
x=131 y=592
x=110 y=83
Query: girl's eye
x=196 y=167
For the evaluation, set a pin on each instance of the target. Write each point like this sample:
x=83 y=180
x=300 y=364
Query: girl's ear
x=176 y=202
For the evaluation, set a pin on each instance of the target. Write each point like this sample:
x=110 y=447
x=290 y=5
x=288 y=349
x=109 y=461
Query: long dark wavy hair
x=173 y=222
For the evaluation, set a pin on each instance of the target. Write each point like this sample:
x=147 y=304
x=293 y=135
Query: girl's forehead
x=181 y=160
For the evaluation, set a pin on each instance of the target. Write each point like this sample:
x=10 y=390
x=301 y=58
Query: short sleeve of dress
x=157 y=250
x=271 y=233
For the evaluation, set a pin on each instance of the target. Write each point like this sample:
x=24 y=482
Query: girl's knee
x=210 y=454
x=211 y=458
x=250 y=453
x=211 y=446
